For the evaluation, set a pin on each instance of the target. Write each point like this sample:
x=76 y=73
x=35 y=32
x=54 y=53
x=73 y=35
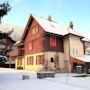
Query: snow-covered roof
x=85 y=39
x=16 y=34
x=85 y=58
x=54 y=27
x=17 y=42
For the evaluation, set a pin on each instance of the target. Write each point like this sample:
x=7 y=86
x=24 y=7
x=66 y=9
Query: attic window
x=35 y=29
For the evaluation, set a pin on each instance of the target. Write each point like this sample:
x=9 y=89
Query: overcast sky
x=62 y=11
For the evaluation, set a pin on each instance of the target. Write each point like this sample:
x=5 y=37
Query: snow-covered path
x=12 y=80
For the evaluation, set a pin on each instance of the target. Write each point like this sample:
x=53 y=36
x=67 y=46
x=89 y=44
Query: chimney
x=71 y=25
x=49 y=18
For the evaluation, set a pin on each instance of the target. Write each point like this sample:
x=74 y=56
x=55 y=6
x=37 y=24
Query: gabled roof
x=51 y=27
x=54 y=27
x=86 y=40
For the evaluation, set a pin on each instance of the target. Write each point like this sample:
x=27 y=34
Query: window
x=40 y=42
x=8 y=47
x=52 y=60
x=76 y=50
x=40 y=59
x=2 y=40
x=30 y=60
x=35 y=29
x=19 y=61
x=73 y=51
x=13 y=48
x=52 y=40
x=30 y=45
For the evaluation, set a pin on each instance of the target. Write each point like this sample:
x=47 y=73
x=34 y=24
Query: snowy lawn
x=11 y=79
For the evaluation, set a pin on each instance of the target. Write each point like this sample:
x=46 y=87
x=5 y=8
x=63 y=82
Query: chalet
x=46 y=44
x=6 y=45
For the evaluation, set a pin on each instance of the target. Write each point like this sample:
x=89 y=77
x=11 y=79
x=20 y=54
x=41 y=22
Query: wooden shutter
x=27 y=60
x=36 y=60
x=32 y=60
x=21 y=61
x=43 y=59
x=52 y=40
x=40 y=42
x=32 y=44
x=26 y=46
x=18 y=61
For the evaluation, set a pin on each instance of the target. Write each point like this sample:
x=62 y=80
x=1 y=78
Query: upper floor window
x=35 y=29
x=30 y=46
x=8 y=47
x=13 y=48
x=40 y=42
x=2 y=40
x=73 y=50
x=76 y=50
x=52 y=40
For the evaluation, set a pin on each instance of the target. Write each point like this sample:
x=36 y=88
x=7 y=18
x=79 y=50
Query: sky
x=62 y=11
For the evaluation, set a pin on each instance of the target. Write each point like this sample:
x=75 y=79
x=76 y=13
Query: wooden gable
x=27 y=36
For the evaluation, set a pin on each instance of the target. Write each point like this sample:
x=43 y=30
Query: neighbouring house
x=6 y=45
x=46 y=44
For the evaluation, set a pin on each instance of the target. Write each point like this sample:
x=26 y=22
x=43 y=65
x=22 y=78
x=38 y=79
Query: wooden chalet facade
x=6 y=45
x=41 y=49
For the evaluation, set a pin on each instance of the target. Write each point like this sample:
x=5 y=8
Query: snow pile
x=11 y=79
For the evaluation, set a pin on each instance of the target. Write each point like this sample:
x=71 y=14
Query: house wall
x=47 y=61
x=76 y=43
x=45 y=41
x=66 y=43
x=49 y=55
x=33 y=67
x=23 y=63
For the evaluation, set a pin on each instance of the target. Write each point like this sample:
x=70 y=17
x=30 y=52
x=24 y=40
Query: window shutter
x=40 y=42
x=36 y=61
x=37 y=28
x=26 y=46
x=43 y=59
x=27 y=60
x=32 y=44
x=18 y=61
x=21 y=61
x=32 y=60
x=52 y=40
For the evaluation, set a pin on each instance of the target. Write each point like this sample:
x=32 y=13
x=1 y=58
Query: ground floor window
x=40 y=59
x=19 y=61
x=30 y=60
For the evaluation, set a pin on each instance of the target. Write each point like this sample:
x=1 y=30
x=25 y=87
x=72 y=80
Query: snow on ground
x=11 y=79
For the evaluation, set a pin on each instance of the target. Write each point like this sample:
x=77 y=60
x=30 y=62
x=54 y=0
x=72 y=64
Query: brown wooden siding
x=45 y=41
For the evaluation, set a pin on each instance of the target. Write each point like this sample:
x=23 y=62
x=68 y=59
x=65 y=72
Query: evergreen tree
x=4 y=9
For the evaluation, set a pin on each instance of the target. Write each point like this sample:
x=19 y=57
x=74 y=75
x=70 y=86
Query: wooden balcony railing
x=16 y=53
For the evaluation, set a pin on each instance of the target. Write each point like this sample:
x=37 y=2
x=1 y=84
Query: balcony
x=16 y=53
